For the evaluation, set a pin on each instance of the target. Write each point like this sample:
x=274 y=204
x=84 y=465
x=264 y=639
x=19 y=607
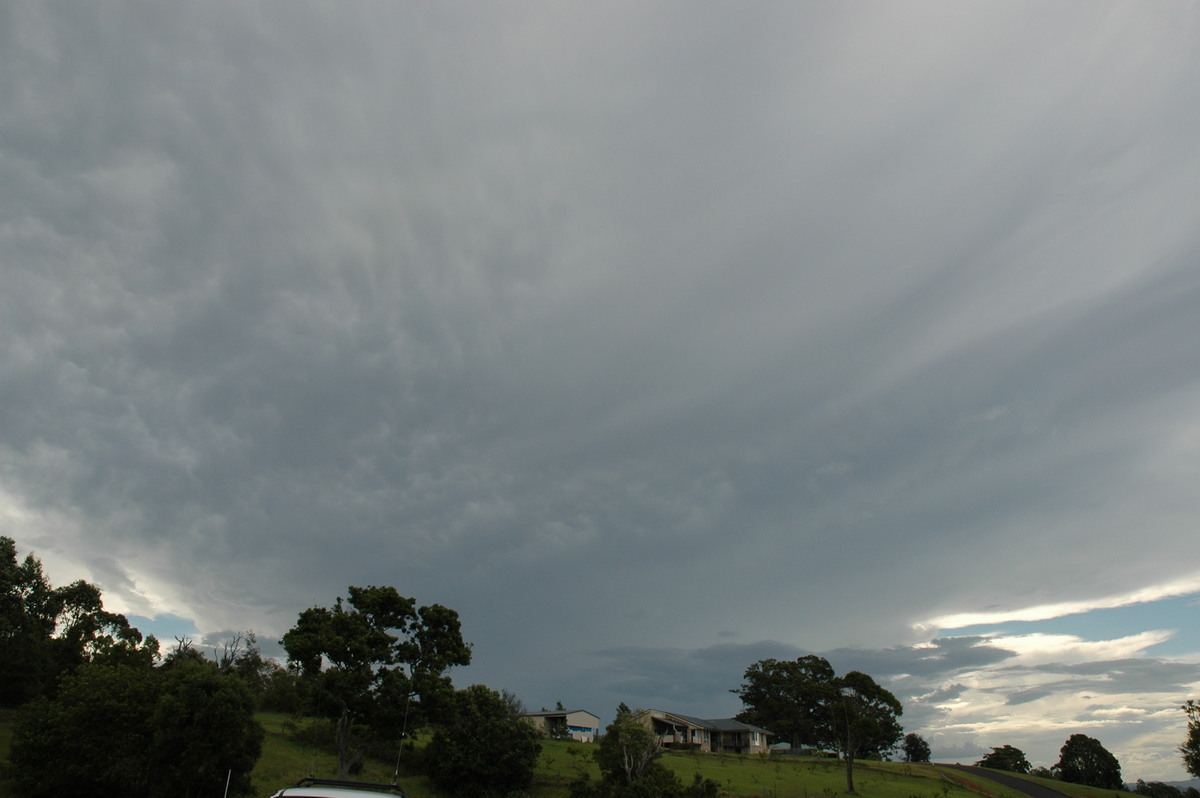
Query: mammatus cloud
x=627 y=328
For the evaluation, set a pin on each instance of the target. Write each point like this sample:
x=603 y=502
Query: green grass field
x=284 y=761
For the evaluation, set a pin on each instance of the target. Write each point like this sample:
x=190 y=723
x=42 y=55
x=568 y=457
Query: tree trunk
x=348 y=756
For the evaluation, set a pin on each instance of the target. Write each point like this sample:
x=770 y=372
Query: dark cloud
x=939 y=657
x=1129 y=675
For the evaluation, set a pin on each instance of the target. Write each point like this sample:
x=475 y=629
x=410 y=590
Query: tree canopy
x=376 y=664
x=1157 y=789
x=1191 y=745
x=1006 y=757
x=480 y=747
x=864 y=719
x=627 y=749
x=915 y=748
x=789 y=698
x=139 y=732
x=47 y=631
x=805 y=702
x=1083 y=760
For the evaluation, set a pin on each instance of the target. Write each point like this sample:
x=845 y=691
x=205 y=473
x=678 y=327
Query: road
x=1032 y=789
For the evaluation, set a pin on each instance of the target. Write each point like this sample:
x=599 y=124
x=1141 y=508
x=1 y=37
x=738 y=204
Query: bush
x=480 y=748
x=656 y=782
x=132 y=732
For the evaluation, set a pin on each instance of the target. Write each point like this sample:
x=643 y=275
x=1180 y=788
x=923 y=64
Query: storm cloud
x=637 y=333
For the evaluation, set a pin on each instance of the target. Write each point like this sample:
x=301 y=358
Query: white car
x=333 y=788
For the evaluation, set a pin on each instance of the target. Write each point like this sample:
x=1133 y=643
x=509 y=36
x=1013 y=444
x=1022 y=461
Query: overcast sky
x=654 y=338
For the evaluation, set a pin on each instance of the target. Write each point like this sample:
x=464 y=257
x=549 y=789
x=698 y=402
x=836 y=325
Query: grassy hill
x=284 y=760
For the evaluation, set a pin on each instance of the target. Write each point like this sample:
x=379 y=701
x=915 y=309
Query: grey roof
x=556 y=712
x=718 y=724
x=730 y=724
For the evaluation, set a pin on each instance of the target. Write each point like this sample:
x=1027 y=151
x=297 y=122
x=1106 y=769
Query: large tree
x=790 y=698
x=376 y=664
x=806 y=702
x=46 y=631
x=1083 y=760
x=1006 y=757
x=1191 y=746
x=915 y=748
x=864 y=719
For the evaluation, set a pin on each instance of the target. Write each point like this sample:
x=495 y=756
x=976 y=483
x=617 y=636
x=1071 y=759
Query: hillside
x=284 y=761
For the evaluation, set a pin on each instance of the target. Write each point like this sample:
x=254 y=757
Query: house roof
x=718 y=724
x=555 y=713
x=730 y=724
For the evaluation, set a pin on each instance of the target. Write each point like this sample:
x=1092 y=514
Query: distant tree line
x=1082 y=760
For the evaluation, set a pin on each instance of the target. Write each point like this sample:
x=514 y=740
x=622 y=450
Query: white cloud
x=1034 y=649
x=1177 y=587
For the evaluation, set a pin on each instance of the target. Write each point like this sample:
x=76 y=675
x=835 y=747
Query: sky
x=655 y=338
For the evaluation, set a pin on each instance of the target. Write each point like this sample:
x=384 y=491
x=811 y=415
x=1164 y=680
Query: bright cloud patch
x=1179 y=587
x=1051 y=685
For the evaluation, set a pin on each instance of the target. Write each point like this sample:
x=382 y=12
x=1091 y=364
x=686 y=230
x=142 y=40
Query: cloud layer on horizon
x=963 y=694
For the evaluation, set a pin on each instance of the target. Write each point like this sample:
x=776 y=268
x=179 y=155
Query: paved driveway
x=1029 y=788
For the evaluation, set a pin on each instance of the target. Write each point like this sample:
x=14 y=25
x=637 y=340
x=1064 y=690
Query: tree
x=1005 y=758
x=376 y=665
x=119 y=730
x=1156 y=789
x=627 y=757
x=1083 y=760
x=915 y=748
x=557 y=729
x=1191 y=746
x=93 y=733
x=863 y=716
x=47 y=631
x=480 y=748
x=805 y=702
x=204 y=731
x=790 y=698
x=627 y=749
x=516 y=707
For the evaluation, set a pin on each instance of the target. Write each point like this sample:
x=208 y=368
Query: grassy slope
x=284 y=761
x=738 y=776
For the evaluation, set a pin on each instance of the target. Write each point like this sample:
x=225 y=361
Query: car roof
x=330 y=792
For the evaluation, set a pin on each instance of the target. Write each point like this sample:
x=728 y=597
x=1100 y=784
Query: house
x=579 y=724
x=724 y=735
